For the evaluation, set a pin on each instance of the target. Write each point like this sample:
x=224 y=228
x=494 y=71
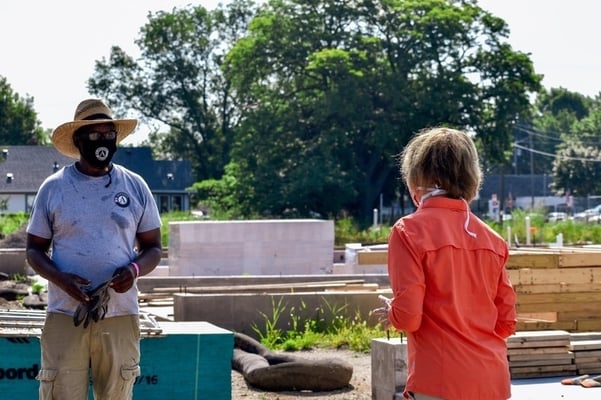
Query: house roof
x=30 y=165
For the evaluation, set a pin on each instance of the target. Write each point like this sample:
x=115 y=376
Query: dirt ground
x=359 y=388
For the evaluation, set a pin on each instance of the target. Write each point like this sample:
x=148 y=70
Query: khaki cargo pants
x=107 y=351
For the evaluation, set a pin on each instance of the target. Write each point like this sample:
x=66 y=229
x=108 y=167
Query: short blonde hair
x=443 y=158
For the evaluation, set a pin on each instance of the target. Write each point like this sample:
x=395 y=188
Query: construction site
x=219 y=278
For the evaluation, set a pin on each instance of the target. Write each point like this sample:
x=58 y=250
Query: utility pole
x=531 y=170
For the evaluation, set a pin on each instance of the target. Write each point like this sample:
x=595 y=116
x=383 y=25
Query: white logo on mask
x=101 y=153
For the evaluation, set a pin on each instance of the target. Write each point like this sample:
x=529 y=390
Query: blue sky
x=48 y=48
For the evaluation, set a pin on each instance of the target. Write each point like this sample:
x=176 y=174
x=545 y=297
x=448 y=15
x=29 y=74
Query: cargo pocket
x=129 y=373
x=46 y=378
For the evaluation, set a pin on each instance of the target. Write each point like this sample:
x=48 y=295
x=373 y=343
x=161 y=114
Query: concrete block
x=261 y=247
x=342 y=269
x=13 y=262
x=388 y=368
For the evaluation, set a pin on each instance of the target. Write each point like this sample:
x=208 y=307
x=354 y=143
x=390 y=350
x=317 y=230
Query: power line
x=542 y=153
x=544 y=135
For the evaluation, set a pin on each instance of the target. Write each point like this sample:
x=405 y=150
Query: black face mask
x=98 y=153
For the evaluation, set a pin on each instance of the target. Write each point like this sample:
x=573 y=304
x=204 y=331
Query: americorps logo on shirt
x=121 y=199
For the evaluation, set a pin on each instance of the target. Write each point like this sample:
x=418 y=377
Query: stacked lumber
x=557 y=288
x=586 y=348
x=164 y=295
x=540 y=354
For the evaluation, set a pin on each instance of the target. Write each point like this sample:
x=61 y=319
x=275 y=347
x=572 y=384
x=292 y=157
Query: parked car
x=589 y=215
x=556 y=216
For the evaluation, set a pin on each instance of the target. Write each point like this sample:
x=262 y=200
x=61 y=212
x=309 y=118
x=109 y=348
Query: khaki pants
x=107 y=351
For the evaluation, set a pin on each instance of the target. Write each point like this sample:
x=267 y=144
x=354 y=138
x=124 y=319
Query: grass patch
x=329 y=326
x=544 y=233
x=10 y=223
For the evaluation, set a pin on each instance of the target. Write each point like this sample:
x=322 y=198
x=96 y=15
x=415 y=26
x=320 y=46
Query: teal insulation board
x=190 y=360
x=187 y=360
x=19 y=365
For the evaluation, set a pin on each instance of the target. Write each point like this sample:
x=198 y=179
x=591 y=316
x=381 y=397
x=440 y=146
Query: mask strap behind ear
x=431 y=193
x=467 y=220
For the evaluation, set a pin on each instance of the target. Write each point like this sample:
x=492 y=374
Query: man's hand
x=95 y=309
x=72 y=285
x=123 y=278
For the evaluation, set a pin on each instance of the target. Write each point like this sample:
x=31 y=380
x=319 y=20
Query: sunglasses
x=94 y=136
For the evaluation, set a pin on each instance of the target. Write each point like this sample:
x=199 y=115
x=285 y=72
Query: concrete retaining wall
x=262 y=247
x=13 y=262
x=239 y=312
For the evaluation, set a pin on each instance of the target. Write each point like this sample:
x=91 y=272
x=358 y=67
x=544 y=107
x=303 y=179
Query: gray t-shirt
x=93 y=229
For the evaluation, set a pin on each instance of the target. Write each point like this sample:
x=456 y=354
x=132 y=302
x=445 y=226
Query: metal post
x=531 y=170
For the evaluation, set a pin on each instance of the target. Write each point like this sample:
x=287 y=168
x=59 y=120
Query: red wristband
x=137 y=267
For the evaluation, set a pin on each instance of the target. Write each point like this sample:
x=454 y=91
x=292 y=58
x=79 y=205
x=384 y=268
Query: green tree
x=339 y=88
x=310 y=101
x=19 y=124
x=556 y=111
x=577 y=165
x=178 y=82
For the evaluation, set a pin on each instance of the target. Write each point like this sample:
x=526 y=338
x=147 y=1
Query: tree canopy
x=19 y=123
x=311 y=101
x=577 y=164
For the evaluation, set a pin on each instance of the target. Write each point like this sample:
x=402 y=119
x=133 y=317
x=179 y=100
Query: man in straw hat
x=103 y=225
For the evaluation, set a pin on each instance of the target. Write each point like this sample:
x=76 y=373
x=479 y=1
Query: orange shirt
x=453 y=298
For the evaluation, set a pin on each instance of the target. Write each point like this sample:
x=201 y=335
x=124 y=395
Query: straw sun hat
x=89 y=112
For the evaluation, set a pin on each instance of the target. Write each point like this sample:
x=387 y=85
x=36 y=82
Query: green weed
x=330 y=326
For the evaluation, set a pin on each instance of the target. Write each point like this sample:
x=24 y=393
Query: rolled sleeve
x=407 y=282
x=505 y=303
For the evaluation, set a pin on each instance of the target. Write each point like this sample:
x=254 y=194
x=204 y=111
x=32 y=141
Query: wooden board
x=562 y=287
x=544 y=359
x=586 y=369
x=576 y=336
x=372 y=257
x=568 y=308
x=535 y=317
x=531 y=276
x=545 y=370
x=580 y=259
x=545 y=343
x=262 y=287
x=532 y=260
x=525 y=258
x=566 y=360
x=539 y=351
x=586 y=345
x=572 y=326
x=538 y=337
x=581 y=359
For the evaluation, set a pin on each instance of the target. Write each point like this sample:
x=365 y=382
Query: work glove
x=95 y=308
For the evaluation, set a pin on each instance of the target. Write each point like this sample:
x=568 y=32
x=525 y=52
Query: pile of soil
x=15 y=240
